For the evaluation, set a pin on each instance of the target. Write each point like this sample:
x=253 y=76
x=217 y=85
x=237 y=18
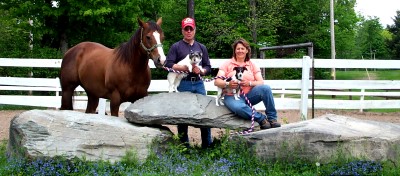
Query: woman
x=252 y=85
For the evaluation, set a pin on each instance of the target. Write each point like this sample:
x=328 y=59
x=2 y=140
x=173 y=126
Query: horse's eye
x=148 y=37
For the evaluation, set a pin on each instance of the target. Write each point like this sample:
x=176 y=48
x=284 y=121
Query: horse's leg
x=115 y=102
x=92 y=104
x=66 y=97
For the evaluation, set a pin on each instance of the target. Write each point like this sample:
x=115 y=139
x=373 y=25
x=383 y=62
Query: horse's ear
x=141 y=23
x=159 y=21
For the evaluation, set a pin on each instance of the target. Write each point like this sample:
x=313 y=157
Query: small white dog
x=236 y=92
x=191 y=59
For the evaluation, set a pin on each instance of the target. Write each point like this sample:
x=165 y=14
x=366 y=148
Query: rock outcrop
x=49 y=133
x=183 y=108
x=328 y=137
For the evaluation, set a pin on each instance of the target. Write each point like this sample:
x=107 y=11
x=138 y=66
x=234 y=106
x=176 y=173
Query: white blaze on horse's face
x=159 y=47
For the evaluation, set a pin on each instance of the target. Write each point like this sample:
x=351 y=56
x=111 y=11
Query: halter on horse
x=120 y=75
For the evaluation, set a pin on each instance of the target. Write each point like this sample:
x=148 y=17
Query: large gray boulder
x=183 y=108
x=328 y=137
x=49 y=133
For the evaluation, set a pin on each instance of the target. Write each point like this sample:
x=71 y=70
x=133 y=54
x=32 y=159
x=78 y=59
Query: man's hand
x=196 y=70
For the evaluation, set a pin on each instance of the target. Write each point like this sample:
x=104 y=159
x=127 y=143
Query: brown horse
x=120 y=75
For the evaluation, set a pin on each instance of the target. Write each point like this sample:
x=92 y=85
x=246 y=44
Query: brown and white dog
x=236 y=92
x=175 y=79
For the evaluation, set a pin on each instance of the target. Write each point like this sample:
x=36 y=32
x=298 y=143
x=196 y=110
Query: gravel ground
x=287 y=116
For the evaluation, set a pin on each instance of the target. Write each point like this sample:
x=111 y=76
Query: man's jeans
x=194 y=87
x=257 y=94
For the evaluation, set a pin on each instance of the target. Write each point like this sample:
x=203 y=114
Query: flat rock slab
x=327 y=137
x=49 y=133
x=183 y=108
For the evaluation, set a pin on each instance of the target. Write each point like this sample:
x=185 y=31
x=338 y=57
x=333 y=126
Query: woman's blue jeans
x=257 y=94
x=194 y=87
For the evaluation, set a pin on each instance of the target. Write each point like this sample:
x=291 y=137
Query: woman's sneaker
x=274 y=123
x=264 y=124
x=267 y=124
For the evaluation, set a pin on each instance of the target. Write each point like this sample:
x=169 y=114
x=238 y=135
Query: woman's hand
x=233 y=84
x=246 y=83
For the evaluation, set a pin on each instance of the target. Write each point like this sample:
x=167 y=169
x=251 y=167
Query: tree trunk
x=253 y=29
x=63 y=43
x=190 y=8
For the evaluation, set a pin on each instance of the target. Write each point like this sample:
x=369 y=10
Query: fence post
x=362 y=100
x=58 y=89
x=102 y=106
x=305 y=84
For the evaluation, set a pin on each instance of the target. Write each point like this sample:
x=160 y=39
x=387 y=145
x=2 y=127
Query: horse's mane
x=125 y=51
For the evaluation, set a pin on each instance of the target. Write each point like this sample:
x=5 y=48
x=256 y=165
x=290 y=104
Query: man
x=192 y=83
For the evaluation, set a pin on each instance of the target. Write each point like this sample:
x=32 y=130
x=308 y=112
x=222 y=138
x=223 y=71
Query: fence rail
x=289 y=94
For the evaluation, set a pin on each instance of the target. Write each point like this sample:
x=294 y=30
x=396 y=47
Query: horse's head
x=151 y=38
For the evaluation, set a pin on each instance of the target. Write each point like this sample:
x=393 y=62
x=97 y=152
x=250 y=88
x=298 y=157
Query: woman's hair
x=245 y=44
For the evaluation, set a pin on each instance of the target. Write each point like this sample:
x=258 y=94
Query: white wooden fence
x=289 y=94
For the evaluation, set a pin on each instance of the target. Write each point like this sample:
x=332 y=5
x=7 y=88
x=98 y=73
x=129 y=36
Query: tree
x=370 y=40
x=309 y=21
x=394 y=43
x=345 y=29
x=14 y=36
x=60 y=24
x=222 y=22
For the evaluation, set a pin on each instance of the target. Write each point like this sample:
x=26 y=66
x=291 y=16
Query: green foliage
x=106 y=22
x=219 y=27
x=219 y=23
x=394 y=43
x=309 y=21
x=370 y=41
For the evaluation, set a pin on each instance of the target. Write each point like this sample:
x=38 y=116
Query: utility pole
x=333 y=52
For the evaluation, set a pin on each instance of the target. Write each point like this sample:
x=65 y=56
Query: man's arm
x=171 y=59
x=205 y=61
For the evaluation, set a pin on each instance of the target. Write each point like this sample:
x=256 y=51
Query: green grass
x=226 y=158
x=388 y=75
x=17 y=107
x=376 y=75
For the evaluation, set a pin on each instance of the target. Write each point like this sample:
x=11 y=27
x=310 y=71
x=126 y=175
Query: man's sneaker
x=274 y=123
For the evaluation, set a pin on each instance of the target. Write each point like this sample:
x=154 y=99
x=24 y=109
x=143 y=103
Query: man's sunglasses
x=188 y=28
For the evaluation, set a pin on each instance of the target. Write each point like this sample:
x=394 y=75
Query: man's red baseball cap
x=188 y=22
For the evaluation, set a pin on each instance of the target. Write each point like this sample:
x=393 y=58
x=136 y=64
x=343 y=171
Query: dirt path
x=287 y=116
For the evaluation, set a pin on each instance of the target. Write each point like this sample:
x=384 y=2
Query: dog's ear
x=244 y=68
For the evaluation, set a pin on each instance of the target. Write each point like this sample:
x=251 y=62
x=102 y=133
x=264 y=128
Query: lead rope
x=253 y=111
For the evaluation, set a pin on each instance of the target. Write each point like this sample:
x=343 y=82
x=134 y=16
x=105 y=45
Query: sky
x=385 y=10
